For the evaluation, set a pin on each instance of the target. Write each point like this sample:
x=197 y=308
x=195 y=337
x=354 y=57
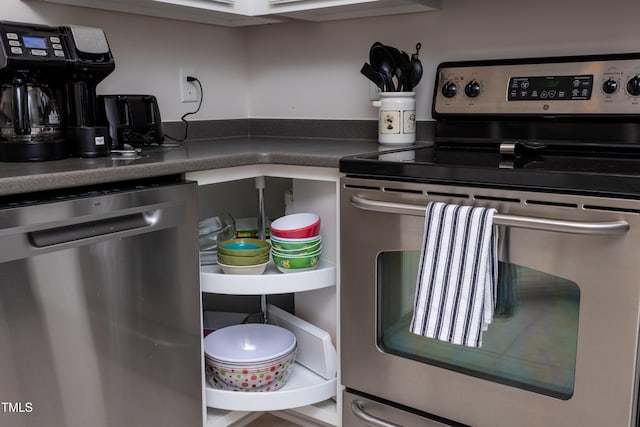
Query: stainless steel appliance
x=132 y=120
x=100 y=307
x=48 y=100
x=553 y=145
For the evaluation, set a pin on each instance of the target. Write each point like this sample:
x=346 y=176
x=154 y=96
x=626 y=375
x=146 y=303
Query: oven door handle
x=534 y=223
x=356 y=408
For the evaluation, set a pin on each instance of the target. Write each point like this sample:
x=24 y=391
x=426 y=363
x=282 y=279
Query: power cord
x=190 y=79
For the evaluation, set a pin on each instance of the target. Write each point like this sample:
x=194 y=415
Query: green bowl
x=315 y=252
x=295 y=263
x=296 y=246
x=243 y=247
x=243 y=260
x=298 y=252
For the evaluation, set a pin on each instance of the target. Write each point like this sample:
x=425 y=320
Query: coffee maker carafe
x=48 y=79
x=29 y=114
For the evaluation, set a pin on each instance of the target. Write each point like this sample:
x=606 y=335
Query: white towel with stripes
x=457 y=278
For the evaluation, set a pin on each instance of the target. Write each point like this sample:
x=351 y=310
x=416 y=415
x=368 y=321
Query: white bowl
x=250 y=366
x=266 y=377
x=244 y=269
x=249 y=343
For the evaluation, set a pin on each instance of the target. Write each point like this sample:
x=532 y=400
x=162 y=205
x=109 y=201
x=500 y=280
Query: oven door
x=562 y=349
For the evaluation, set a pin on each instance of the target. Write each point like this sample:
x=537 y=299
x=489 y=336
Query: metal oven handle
x=356 y=408
x=546 y=224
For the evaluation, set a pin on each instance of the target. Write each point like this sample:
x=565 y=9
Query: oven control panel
x=574 y=86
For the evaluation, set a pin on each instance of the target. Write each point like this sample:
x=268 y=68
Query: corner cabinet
x=307 y=398
x=228 y=13
x=234 y=13
x=331 y=10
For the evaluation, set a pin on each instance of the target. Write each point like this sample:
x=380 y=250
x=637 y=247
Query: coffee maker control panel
x=32 y=43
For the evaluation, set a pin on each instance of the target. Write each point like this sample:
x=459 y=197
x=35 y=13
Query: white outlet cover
x=374 y=92
x=188 y=90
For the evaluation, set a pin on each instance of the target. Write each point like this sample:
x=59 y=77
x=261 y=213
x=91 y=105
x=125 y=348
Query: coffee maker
x=48 y=79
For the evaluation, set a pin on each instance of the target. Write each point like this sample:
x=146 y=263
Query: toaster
x=130 y=119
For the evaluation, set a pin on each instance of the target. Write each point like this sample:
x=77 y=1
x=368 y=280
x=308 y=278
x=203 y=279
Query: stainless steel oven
x=563 y=347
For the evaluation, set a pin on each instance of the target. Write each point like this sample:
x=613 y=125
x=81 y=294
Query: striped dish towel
x=457 y=278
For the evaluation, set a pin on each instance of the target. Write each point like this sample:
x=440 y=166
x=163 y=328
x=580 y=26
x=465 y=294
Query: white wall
x=148 y=53
x=307 y=70
x=311 y=70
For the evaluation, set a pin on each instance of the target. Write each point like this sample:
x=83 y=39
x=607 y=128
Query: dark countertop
x=27 y=177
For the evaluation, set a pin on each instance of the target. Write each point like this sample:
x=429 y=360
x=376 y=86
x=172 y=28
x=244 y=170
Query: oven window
x=531 y=343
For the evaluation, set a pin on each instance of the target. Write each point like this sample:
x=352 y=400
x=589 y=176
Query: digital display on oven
x=550 y=88
x=34 y=42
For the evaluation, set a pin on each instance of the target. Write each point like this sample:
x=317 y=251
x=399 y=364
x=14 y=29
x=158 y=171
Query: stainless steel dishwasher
x=100 y=307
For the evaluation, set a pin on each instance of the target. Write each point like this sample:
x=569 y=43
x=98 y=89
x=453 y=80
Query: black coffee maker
x=48 y=79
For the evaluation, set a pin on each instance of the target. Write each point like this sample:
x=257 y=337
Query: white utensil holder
x=397 y=117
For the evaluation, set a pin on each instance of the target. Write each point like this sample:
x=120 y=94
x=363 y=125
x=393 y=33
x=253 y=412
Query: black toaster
x=131 y=119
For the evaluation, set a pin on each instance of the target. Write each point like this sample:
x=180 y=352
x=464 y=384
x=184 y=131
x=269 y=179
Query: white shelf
x=303 y=388
x=222 y=418
x=325 y=413
x=213 y=280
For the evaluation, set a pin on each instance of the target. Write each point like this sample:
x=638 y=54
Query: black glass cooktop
x=565 y=124
x=558 y=170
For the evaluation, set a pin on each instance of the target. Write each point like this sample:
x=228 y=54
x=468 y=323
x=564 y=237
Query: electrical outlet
x=374 y=92
x=188 y=90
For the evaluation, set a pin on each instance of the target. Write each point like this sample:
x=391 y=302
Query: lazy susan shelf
x=213 y=280
x=304 y=387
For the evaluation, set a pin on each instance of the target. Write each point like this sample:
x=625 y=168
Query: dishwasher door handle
x=33 y=239
x=534 y=223
x=359 y=412
x=89 y=229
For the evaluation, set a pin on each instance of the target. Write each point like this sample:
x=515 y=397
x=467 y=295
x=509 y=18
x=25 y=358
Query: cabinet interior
x=310 y=296
x=240 y=200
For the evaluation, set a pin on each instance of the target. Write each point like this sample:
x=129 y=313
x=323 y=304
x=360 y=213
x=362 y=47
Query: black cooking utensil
x=382 y=61
x=416 y=69
x=401 y=79
x=402 y=70
x=415 y=74
x=371 y=54
x=373 y=75
x=395 y=53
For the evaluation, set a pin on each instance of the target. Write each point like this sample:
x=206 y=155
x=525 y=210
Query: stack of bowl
x=296 y=243
x=243 y=256
x=252 y=357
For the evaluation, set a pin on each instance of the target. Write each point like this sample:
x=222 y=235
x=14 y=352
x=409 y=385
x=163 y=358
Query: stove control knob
x=610 y=86
x=472 y=89
x=449 y=90
x=633 y=86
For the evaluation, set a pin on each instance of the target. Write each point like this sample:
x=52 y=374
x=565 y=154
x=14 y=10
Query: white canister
x=397 y=117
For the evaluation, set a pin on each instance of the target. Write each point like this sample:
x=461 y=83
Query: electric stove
x=558 y=124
